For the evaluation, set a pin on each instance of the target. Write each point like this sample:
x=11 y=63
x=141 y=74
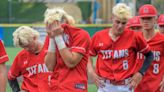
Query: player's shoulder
x=71 y=27
x=1 y=42
x=102 y=32
x=23 y=53
x=75 y=30
x=160 y=37
x=128 y=33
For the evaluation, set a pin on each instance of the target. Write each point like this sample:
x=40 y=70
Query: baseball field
x=11 y=51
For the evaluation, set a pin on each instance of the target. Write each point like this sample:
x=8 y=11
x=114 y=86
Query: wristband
x=51 y=47
x=60 y=42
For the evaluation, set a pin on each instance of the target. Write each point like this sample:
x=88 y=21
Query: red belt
x=121 y=82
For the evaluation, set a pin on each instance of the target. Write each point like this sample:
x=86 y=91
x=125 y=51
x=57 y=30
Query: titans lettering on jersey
x=115 y=54
x=155 y=53
x=36 y=69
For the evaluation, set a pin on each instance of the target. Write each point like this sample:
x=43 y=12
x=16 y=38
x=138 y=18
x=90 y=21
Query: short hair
x=122 y=11
x=58 y=14
x=23 y=35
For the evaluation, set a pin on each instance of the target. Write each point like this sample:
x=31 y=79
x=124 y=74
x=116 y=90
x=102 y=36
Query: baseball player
x=68 y=53
x=29 y=63
x=134 y=24
x=161 y=23
x=3 y=59
x=154 y=75
x=116 y=50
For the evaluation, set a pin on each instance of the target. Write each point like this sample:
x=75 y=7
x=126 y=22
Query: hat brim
x=141 y=16
x=135 y=25
x=160 y=23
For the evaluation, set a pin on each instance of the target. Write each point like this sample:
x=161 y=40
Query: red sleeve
x=46 y=42
x=81 y=43
x=14 y=71
x=141 y=44
x=3 y=55
x=93 y=51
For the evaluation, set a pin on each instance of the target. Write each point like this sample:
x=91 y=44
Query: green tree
x=19 y=12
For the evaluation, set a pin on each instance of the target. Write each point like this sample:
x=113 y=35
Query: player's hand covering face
x=54 y=29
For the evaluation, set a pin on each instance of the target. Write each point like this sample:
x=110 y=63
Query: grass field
x=12 y=53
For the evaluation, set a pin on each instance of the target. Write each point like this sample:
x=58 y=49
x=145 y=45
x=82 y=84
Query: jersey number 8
x=156 y=68
x=125 y=65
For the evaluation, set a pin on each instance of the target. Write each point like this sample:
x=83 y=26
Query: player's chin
x=31 y=51
x=120 y=31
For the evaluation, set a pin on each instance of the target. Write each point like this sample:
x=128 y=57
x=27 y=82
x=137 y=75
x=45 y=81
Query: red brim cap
x=135 y=25
x=160 y=23
x=147 y=16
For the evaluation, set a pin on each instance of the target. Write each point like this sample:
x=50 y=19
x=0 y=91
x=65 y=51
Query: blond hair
x=23 y=35
x=57 y=14
x=122 y=11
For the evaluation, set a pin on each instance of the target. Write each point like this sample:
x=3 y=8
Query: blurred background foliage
x=18 y=11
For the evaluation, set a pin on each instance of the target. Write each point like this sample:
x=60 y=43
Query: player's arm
x=50 y=58
x=145 y=50
x=12 y=77
x=92 y=74
x=90 y=67
x=3 y=77
x=162 y=84
x=71 y=59
x=14 y=72
x=14 y=85
x=136 y=78
x=147 y=62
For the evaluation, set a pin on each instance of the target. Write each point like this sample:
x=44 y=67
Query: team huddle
x=129 y=55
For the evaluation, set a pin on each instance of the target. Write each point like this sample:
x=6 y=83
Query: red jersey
x=72 y=79
x=116 y=59
x=3 y=55
x=153 y=76
x=44 y=78
x=29 y=66
x=46 y=42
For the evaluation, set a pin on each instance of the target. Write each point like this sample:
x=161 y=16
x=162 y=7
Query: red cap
x=161 y=19
x=129 y=23
x=147 y=10
x=133 y=22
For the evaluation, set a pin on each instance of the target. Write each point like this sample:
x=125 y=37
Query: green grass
x=91 y=88
x=8 y=89
x=12 y=52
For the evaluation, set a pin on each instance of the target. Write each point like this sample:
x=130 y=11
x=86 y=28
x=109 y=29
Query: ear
x=35 y=38
x=156 y=20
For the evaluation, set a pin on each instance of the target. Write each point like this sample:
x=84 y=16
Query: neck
x=113 y=34
x=148 y=34
x=39 y=47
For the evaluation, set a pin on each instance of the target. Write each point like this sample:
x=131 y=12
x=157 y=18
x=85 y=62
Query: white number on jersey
x=156 y=68
x=125 y=65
